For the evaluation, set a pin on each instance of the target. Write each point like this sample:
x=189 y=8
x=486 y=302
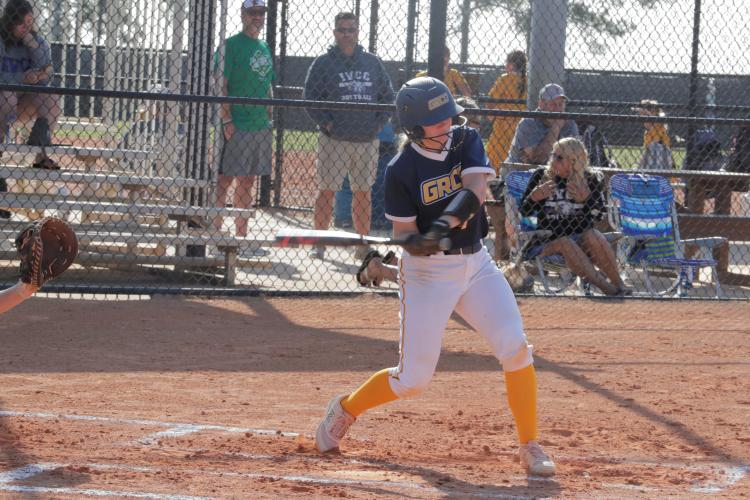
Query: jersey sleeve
x=473 y=156
x=399 y=206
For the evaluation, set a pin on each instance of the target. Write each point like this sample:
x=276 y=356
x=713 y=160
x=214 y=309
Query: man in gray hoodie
x=348 y=142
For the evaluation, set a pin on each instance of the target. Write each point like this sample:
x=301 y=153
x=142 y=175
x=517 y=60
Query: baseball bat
x=292 y=238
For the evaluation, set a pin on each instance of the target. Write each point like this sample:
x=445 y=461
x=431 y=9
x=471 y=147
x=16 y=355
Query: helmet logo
x=438 y=101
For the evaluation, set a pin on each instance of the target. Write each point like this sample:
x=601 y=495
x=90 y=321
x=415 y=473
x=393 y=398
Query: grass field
x=306 y=141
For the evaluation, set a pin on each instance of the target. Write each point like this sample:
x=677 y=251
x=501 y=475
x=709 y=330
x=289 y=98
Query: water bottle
x=10 y=129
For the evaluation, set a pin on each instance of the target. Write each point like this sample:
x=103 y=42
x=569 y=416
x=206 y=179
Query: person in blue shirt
x=25 y=59
x=534 y=137
x=435 y=189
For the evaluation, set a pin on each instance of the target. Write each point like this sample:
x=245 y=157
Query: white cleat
x=333 y=427
x=535 y=461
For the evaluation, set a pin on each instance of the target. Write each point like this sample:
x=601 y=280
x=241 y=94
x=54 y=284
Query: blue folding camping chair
x=642 y=207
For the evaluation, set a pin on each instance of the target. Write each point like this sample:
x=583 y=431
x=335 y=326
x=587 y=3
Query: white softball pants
x=431 y=288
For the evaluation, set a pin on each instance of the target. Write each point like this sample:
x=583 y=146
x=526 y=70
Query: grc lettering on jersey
x=438 y=188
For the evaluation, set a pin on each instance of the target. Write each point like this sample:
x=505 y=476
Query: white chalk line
x=732 y=473
x=175 y=427
x=31 y=470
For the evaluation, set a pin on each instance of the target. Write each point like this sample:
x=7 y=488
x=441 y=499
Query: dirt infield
x=178 y=398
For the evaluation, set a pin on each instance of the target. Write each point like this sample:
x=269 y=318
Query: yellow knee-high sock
x=375 y=392
x=521 y=387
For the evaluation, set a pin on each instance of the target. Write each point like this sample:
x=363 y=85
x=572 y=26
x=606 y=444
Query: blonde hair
x=573 y=149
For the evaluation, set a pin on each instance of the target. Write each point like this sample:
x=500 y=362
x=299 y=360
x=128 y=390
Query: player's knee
x=518 y=359
x=410 y=386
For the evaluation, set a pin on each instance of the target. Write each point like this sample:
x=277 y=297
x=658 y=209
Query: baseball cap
x=551 y=91
x=648 y=106
x=254 y=4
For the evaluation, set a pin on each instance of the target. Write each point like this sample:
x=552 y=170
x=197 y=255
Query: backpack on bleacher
x=705 y=153
x=598 y=147
x=739 y=158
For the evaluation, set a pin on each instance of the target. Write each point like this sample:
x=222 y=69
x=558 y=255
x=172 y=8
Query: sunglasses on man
x=347 y=30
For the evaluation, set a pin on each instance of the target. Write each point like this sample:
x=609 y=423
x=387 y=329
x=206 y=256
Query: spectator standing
x=247 y=71
x=657 y=154
x=452 y=77
x=510 y=85
x=568 y=198
x=342 y=211
x=534 y=137
x=25 y=59
x=348 y=141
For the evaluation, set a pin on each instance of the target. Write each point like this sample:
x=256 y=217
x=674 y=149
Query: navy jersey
x=419 y=184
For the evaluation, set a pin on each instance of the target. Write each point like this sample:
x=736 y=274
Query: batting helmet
x=424 y=101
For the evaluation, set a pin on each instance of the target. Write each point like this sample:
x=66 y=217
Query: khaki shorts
x=336 y=159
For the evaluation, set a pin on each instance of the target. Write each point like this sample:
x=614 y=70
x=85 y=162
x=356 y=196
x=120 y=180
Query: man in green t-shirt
x=247 y=71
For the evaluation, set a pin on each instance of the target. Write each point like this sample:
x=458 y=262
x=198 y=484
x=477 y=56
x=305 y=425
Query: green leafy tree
x=597 y=21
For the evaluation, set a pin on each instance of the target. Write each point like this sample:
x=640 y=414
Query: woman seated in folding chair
x=567 y=198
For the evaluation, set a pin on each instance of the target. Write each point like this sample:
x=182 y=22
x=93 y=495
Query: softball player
x=435 y=189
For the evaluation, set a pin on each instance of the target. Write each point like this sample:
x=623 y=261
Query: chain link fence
x=179 y=137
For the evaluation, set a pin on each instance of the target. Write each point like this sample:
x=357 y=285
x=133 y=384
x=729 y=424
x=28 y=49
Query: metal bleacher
x=127 y=204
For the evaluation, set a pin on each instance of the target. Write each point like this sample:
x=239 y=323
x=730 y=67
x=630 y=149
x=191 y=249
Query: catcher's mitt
x=46 y=248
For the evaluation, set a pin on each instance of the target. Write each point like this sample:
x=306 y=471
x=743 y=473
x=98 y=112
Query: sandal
x=624 y=291
x=389 y=258
x=46 y=163
x=362 y=277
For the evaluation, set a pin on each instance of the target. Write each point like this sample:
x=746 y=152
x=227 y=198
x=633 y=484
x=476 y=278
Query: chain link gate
x=133 y=99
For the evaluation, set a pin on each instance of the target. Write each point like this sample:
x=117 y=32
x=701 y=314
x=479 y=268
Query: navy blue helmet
x=424 y=101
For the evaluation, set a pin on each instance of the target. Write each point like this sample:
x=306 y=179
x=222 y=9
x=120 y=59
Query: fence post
x=435 y=59
x=264 y=199
x=693 y=97
x=411 y=23
x=199 y=49
x=374 y=19
x=547 y=46
x=465 y=26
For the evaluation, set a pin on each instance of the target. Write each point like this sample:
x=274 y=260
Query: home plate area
x=94 y=456
x=220 y=398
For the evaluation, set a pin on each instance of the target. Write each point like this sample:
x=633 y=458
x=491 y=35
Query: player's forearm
x=11 y=297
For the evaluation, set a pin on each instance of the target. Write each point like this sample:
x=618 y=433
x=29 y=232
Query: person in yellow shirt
x=510 y=85
x=656 y=143
x=453 y=79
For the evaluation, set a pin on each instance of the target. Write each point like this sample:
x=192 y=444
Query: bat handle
x=444 y=244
